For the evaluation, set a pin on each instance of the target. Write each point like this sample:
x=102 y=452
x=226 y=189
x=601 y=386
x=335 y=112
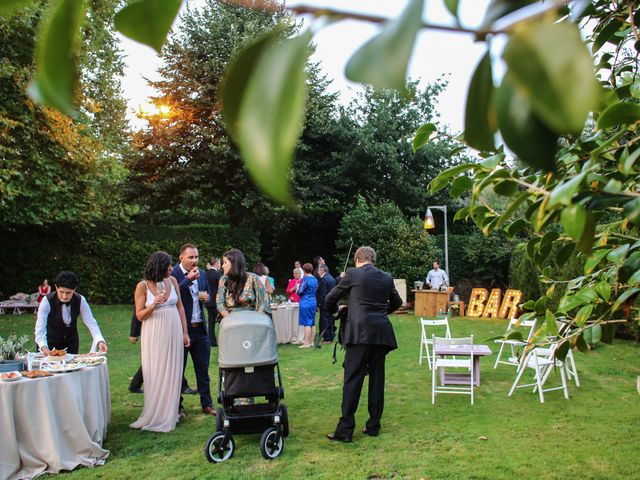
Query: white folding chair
x=439 y=362
x=514 y=324
x=426 y=340
x=542 y=361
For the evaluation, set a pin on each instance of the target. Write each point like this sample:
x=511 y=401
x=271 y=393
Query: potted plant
x=10 y=349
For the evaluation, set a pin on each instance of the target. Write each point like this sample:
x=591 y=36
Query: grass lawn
x=595 y=434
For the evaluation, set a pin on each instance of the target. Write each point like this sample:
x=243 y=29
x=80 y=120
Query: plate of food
x=10 y=376
x=36 y=374
x=59 y=356
x=90 y=355
x=92 y=361
x=63 y=367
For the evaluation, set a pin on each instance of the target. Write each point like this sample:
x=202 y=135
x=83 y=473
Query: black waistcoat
x=59 y=335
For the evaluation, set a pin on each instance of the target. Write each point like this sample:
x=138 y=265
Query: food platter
x=66 y=358
x=36 y=374
x=92 y=361
x=10 y=376
x=63 y=367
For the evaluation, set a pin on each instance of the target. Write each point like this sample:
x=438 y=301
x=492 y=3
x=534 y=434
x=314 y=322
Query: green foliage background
x=108 y=259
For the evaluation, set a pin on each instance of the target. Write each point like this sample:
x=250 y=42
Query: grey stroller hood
x=246 y=338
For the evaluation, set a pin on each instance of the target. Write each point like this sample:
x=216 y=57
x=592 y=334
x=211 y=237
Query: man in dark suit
x=368 y=337
x=213 y=277
x=194 y=291
x=325 y=285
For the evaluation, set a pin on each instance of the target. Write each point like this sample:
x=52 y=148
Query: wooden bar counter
x=430 y=302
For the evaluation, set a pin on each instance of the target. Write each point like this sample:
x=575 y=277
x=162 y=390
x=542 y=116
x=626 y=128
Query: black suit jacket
x=325 y=285
x=372 y=296
x=187 y=300
x=213 y=278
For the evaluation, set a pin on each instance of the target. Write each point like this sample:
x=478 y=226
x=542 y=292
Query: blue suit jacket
x=185 y=293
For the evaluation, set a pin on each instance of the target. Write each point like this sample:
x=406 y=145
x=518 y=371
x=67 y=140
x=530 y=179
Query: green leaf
x=592 y=335
x=532 y=246
x=442 y=180
x=635 y=90
x=583 y=315
x=506 y=188
x=9 y=6
x=628 y=161
x=522 y=130
x=632 y=211
x=528 y=305
x=593 y=261
x=565 y=253
x=589 y=295
x=422 y=136
x=618 y=255
x=541 y=305
x=550 y=320
x=479 y=119
x=623 y=298
x=579 y=224
x=265 y=112
x=515 y=335
x=605 y=34
x=500 y=8
x=563 y=350
x=618 y=114
x=603 y=289
x=568 y=303
x=582 y=344
x=147 y=21
x=57 y=73
x=558 y=82
x=634 y=280
x=460 y=186
x=562 y=194
x=513 y=206
x=452 y=6
x=608 y=332
x=383 y=60
x=493 y=161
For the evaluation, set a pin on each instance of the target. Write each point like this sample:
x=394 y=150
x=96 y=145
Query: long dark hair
x=237 y=276
x=157 y=265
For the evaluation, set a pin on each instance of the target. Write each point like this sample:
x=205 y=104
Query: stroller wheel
x=271 y=443
x=285 y=420
x=219 y=418
x=216 y=451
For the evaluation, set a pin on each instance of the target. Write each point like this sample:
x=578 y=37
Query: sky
x=437 y=54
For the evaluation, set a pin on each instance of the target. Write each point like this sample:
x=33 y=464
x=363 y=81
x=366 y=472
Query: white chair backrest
x=452 y=341
x=444 y=322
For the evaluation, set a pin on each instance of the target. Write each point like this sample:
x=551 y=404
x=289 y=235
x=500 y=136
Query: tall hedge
x=108 y=259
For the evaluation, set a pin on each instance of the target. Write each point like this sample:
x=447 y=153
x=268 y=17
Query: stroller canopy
x=246 y=338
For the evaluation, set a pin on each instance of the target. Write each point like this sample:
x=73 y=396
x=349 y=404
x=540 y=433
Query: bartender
x=437 y=278
x=57 y=323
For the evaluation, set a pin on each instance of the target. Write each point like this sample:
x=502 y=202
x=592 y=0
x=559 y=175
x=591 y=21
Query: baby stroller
x=248 y=364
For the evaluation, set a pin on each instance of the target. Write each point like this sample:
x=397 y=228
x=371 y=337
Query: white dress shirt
x=85 y=312
x=437 y=278
x=193 y=288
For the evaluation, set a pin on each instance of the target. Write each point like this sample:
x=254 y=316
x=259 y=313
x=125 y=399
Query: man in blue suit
x=325 y=285
x=192 y=282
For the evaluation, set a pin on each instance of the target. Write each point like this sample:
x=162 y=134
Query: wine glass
x=161 y=288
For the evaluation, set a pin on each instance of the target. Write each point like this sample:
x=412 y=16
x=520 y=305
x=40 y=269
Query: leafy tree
x=186 y=159
x=54 y=168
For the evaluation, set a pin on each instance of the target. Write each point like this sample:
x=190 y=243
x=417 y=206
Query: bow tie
x=66 y=304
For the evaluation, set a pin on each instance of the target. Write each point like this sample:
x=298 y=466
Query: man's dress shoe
x=338 y=438
x=189 y=391
x=136 y=390
x=209 y=411
x=371 y=433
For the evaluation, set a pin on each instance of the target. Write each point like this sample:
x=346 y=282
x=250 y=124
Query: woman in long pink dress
x=292 y=290
x=162 y=341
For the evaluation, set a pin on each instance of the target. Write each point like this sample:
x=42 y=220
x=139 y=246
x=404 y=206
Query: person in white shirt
x=436 y=278
x=57 y=323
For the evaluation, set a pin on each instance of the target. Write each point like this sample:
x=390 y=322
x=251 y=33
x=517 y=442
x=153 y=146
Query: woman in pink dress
x=292 y=286
x=162 y=340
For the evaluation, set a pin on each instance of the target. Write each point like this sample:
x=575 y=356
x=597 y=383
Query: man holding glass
x=194 y=291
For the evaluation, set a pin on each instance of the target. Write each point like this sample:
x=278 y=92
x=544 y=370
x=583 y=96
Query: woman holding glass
x=239 y=289
x=162 y=340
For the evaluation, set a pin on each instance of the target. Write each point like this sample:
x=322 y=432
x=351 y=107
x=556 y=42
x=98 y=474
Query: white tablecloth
x=54 y=423
x=285 y=319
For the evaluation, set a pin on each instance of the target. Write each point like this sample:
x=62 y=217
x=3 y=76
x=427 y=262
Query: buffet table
x=54 y=423
x=285 y=319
